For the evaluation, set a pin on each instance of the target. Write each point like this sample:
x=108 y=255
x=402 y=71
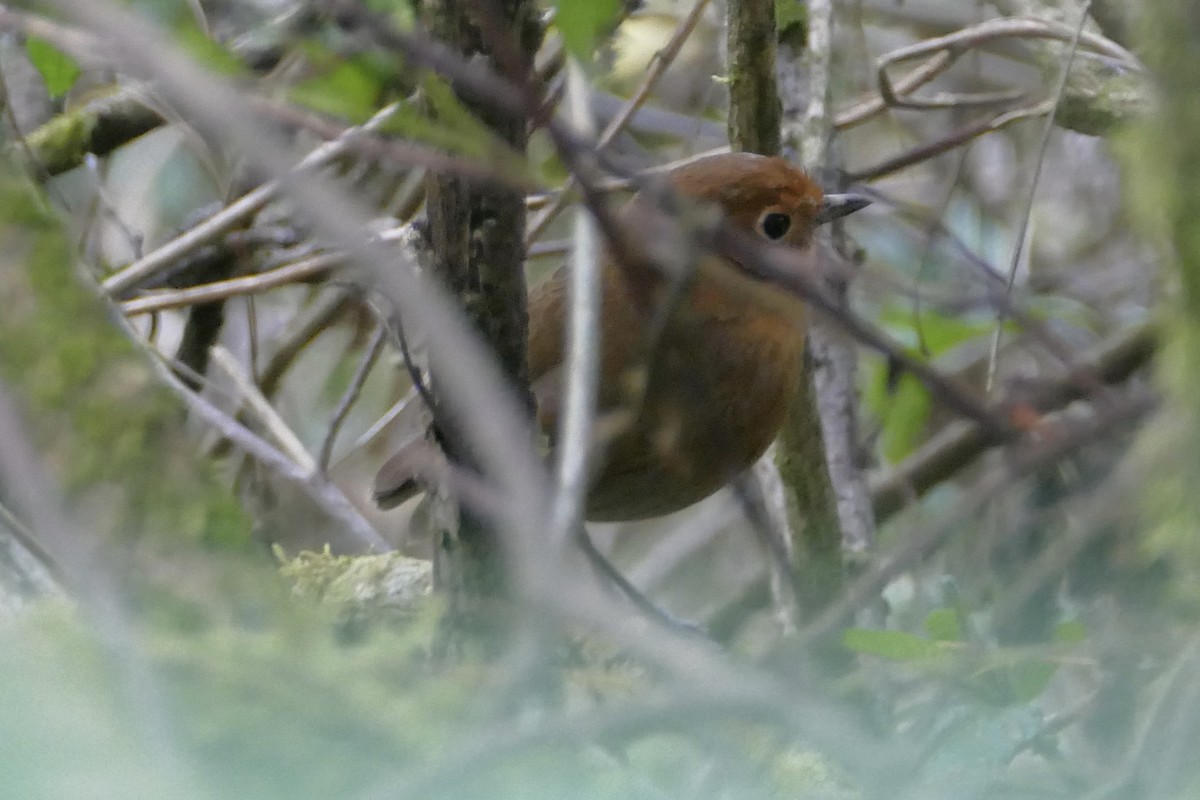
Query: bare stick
x=961 y=442
x=1023 y=229
x=299 y=272
x=948 y=142
x=658 y=65
x=572 y=447
x=284 y=436
x=155 y=262
x=348 y=399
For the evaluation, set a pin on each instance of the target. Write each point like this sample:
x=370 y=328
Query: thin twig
x=327 y=496
x=490 y=415
x=777 y=268
x=308 y=269
x=302 y=271
x=864 y=110
x=300 y=331
x=162 y=257
x=747 y=251
x=760 y=492
x=654 y=72
x=44 y=575
x=944 y=51
x=323 y=493
x=608 y=184
x=1062 y=437
x=567 y=505
x=415 y=375
x=961 y=442
x=252 y=338
x=950 y=141
x=284 y=436
x=1027 y=213
x=959 y=42
x=350 y=396
x=582 y=368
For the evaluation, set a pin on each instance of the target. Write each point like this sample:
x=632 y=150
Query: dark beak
x=836 y=206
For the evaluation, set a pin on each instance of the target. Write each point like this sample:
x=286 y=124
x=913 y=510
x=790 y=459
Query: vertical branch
x=755 y=120
x=478 y=249
x=834 y=360
x=583 y=341
x=754 y=107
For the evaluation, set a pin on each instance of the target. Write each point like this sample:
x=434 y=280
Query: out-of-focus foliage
x=279 y=700
x=1032 y=632
x=96 y=413
x=348 y=89
x=57 y=69
x=582 y=24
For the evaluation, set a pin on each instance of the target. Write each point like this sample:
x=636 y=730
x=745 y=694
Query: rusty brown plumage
x=688 y=400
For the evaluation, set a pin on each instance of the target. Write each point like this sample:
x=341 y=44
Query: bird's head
x=766 y=196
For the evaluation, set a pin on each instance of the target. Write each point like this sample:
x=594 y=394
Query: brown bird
x=694 y=386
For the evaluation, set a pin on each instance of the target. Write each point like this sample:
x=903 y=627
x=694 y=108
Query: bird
x=696 y=375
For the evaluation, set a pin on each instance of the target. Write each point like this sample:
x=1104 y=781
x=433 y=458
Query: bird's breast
x=735 y=377
x=719 y=384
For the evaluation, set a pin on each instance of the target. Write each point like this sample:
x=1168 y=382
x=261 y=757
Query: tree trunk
x=477 y=235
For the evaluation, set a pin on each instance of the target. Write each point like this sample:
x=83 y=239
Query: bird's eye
x=775 y=225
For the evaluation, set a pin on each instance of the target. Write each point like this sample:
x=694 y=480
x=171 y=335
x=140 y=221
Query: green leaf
x=470 y=136
x=200 y=46
x=1072 y=632
x=937 y=332
x=452 y=127
x=446 y=123
x=184 y=19
x=896 y=645
x=1030 y=678
x=57 y=69
x=583 y=22
x=401 y=12
x=348 y=90
x=789 y=13
x=943 y=625
x=904 y=415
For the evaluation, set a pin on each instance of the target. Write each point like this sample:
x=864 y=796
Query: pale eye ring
x=775 y=224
